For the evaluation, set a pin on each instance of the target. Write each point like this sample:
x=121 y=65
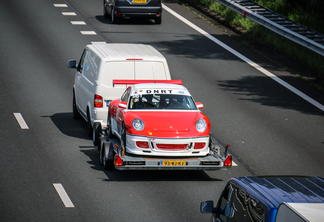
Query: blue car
x=269 y=199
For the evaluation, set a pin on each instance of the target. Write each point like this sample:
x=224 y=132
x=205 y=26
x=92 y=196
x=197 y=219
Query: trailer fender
x=109 y=151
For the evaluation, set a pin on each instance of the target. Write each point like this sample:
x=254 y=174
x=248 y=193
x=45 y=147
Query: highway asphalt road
x=271 y=130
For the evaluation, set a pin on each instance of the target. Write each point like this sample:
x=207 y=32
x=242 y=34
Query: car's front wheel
x=123 y=135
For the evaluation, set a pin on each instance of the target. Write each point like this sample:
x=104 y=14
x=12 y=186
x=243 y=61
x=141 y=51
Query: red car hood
x=161 y=123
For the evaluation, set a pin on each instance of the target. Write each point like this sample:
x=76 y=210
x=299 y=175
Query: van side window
x=224 y=201
x=125 y=95
x=88 y=66
x=246 y=208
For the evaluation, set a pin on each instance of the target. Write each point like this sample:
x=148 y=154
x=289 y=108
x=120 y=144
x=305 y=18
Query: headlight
x=138 y=124
x=201 y=125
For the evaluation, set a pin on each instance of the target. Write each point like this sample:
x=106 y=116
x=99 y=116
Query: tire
x=114 y=19
x=110 y=134
x=76 y=114
x=105 y=13
x=102 y=139
x=123 y=135
x=89 y=127
x=158 y=20
x=96 y=130
x=108 y=164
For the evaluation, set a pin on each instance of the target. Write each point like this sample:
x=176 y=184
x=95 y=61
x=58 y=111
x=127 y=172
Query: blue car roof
x=280 y=189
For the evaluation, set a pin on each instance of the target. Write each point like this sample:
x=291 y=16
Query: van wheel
x=76 y=114
x=96 y=133
x=89 y=127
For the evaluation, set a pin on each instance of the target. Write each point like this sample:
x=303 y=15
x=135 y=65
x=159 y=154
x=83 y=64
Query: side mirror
x=229 y=211
x=72 y=64
x=199 y=105
x=122 y=105
x=207 y=207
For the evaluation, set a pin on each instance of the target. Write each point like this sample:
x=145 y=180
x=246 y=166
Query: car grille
x=172 y=147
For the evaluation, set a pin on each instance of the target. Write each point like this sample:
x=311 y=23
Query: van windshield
x=162 y=101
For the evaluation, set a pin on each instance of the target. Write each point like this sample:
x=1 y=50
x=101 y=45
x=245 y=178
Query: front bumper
x=155 y=143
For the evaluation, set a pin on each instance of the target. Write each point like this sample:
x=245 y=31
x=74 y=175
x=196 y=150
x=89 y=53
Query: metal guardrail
x=277 y=23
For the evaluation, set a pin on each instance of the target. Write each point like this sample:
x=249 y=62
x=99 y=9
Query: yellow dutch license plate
x=139 y=1
x=173 y=163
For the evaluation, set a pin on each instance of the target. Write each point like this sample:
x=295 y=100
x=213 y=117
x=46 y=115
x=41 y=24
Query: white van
x=93 y=88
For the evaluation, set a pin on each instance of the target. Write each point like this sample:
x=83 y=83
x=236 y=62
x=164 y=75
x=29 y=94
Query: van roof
x=278 y=189
x=122 y=51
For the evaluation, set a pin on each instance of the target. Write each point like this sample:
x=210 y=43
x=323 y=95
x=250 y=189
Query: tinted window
x=246 y=209
x=161 y=101
x=225 y=200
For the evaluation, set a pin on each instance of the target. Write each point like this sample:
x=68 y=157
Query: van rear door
x=150 y=70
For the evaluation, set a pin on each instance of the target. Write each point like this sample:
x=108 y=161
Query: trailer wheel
x=96 y=133
x=102 y=139
x=107 y=163
x=110 y=134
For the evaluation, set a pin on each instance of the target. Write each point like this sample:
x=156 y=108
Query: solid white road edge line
x=63 y=195
x=21 y=121
x=250 y=62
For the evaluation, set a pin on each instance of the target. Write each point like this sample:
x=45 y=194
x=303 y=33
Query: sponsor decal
x=158 y=91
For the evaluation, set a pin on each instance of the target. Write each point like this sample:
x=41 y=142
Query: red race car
x=159 y=118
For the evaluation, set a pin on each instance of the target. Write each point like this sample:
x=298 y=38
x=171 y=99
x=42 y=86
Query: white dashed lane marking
x=88 y=33
x=63 y=195
x=78 y=23
x=69 y=13
x=21 y=121
x=60 y=5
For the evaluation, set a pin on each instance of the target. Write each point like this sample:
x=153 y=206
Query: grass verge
x=292 y=12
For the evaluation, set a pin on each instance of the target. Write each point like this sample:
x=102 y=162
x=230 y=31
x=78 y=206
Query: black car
x=117 y=9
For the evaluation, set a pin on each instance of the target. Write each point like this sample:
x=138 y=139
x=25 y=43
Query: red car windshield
x=161 y=101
